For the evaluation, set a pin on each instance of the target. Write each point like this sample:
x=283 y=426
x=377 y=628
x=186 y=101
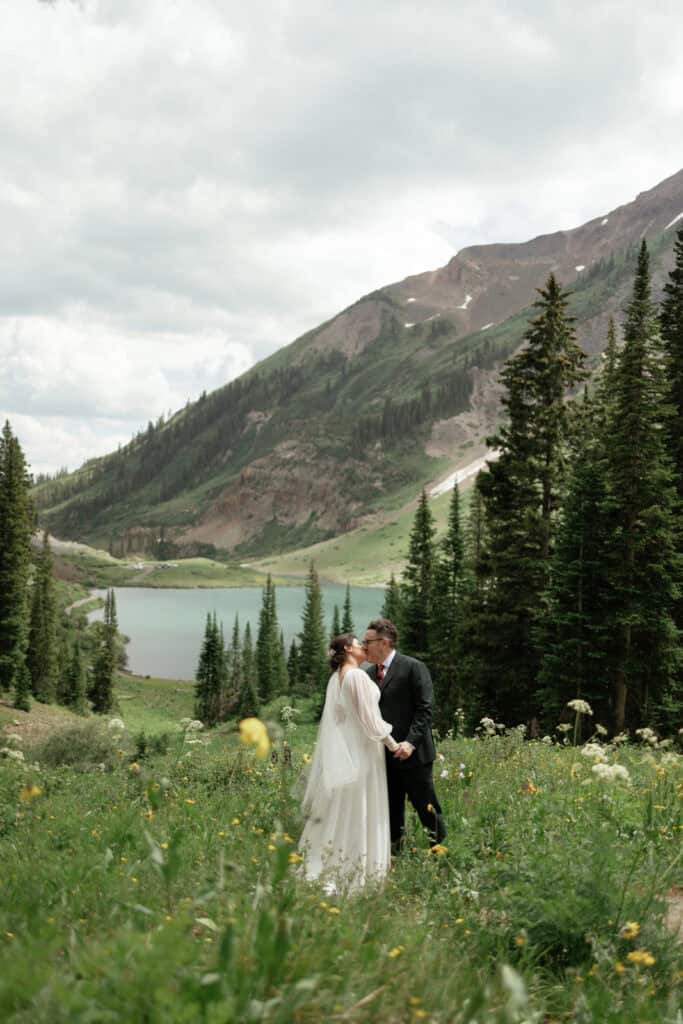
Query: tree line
x=565 y=581
x=46 y=654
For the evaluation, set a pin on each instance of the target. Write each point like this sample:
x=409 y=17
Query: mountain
x=358 y=413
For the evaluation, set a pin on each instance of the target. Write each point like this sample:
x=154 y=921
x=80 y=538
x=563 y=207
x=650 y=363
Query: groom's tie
x=380 y=673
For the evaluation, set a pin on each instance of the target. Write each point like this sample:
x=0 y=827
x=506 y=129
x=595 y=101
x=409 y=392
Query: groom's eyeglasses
x=376 y=640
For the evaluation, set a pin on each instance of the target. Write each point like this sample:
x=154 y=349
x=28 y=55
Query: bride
x=346 y=840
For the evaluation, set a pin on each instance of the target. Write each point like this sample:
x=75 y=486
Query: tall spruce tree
x=671 y=323
x=267 y=645
x=335 y=629
x=42 y=654
x=282 y=673
x=418 y=582
x=521 y=494
x=575 y=632
x=73 y=686
x=104 y=663
x=233 y=662
x=313 y=669
x=391 y=608
x=210 y=675
x=248 y=704
x=642 y=504
x=293 y=667
x=16 y=527
x=446 y=626
x=347 y=625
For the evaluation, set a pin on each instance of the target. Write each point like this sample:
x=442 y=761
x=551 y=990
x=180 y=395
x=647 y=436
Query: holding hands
x=404 y=750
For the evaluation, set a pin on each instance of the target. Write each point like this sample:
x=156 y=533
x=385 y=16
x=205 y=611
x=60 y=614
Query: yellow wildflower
x=520 y=940
x=629 y=930
x=414 y=1001
x=164 y=846
x=29 y=793
x=253 y=733
x=438 y=849
x=333 y=910
x=460 y=920
x=189 y=800
x=271 y=846
x=396 y=951
x=134 y=768
x=641 y=956
x=420 y=1013
x=619 y=967
x=235 y=821
x=295 y=858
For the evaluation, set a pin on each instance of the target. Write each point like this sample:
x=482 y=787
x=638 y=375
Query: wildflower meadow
x=156 y=878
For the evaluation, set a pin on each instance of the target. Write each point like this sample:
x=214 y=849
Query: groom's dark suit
x=406 y=701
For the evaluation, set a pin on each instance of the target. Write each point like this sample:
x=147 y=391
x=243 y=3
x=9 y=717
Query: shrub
x=82 y=745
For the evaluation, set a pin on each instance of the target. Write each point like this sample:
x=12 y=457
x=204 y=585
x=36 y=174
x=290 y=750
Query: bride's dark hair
x=337 y=651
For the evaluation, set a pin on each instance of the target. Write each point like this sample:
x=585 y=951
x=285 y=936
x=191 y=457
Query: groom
x=405 y=701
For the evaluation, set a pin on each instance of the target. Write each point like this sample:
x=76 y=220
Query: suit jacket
x=406 y=701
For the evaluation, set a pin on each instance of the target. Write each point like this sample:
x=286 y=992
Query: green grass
x=365 y=556
x=153 y=705
x=165 y=890
x=185 y=572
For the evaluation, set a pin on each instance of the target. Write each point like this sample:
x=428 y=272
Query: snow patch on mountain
x=409 y=325
x=463 y=474
x=672 y=222
x=580 y=268
x=486 y=326
x=468 y=299
x=604 y=221
x=411 y=299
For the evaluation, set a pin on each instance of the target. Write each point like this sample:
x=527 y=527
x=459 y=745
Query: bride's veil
x=334 y=763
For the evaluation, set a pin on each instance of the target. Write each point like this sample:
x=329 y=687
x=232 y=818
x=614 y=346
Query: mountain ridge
x=389 y=394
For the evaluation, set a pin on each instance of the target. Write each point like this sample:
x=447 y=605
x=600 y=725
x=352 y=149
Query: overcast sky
x=187 y=185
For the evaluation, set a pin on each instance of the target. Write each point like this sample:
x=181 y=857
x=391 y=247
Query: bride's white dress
x=346 y=840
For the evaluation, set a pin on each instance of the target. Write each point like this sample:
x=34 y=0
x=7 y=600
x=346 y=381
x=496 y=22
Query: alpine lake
x=165 y=627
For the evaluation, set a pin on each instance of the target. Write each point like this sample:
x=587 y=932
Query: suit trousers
x=414 y=781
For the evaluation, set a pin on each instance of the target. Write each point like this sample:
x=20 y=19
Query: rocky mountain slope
x=395 y=391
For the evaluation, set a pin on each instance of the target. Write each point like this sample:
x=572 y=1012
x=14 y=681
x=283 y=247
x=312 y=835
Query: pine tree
x=521 y=493
x=233 y=660
x=282 y=673
x=102 y=688
x=16 y=526
x=336 y=624
x=391 y=608
x=446 y=627
x=671 y=324
x=313 y=669
x=576 y=633
x=642 y=504
x=74 y=686
x=293 y=667
x=248 y=705
x=42 y=653
x=267 y=643
x=347 y=625
x=211 y=675
x=417 y=585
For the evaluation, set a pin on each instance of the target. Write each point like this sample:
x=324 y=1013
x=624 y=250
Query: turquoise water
x=166 y=627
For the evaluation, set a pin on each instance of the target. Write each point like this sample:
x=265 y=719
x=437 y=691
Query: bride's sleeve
x=364 y=702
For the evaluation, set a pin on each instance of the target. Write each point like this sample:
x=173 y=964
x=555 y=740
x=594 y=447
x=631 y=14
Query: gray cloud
x=186 y=185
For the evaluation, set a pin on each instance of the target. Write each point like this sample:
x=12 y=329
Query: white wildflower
x=13 y=737
x=610 y=772
x=563 y=727
x=185 y=721
x=194 y=725
x=582 y=707
x=116 y=724
x=647 y=736
x=461 y=767
x=620 y=738
x=440 y=757
x=594 y=751
x=12 y=755
x=489 y=726
x=444 y=773
x=670 y=759
x=600 y=730
x=193 y=743
x=680 y=732
x=547 y=740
